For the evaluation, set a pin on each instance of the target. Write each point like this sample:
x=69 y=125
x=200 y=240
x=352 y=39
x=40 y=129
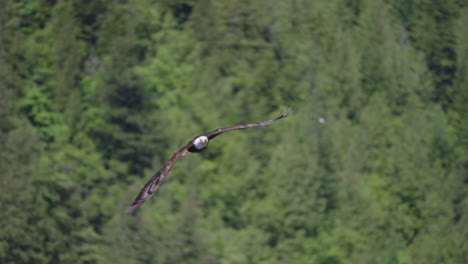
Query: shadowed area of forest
x=371 y=167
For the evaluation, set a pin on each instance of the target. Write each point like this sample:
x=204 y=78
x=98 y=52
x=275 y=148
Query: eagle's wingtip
x=133 y=207
x=285 y=114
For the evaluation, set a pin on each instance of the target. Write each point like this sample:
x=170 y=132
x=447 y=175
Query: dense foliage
x=372 y=167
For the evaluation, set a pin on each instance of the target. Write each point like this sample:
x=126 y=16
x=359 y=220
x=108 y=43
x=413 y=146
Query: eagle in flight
x=197 y=144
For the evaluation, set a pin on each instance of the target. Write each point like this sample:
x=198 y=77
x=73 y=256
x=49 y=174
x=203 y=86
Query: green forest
x=371 y=167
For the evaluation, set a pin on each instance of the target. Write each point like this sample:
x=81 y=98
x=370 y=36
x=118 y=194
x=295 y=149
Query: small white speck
x=321 y=120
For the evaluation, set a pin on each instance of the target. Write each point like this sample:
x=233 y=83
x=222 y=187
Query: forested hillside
x=372 y=166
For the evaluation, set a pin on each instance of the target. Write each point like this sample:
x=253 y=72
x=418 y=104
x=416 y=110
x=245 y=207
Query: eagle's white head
x=200 y=142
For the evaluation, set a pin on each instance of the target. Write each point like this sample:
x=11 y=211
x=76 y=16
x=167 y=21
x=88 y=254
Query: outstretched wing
x=153 y=184
x=218 y=131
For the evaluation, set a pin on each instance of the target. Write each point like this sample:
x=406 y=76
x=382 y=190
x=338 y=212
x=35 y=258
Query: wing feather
x=153 y=184
x=219 y=131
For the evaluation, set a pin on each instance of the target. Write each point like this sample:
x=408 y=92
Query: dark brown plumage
x=197 y=144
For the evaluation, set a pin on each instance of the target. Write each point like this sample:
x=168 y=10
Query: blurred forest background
x=95 y=96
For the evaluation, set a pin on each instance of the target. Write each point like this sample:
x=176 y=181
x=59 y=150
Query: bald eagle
x=197 y=144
